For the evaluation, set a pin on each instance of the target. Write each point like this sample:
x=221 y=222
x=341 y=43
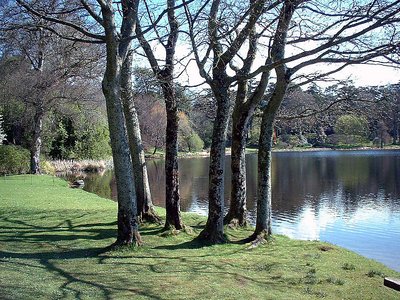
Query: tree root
x=170 y=226
x=235 y=223
x=257 y=239
x=211 y=238
x=171 y=231
x=136 y=241
x=150 y=217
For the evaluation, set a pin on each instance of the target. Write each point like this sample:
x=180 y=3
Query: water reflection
x=350 y=198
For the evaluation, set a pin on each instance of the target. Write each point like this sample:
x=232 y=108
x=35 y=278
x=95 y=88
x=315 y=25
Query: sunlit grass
x=53 y=245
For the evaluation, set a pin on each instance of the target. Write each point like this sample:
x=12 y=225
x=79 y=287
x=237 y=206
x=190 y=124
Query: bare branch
x=60 y=21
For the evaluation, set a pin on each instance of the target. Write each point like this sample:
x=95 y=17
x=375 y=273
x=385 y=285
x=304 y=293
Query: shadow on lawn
x=51 y=247
x=54 y=244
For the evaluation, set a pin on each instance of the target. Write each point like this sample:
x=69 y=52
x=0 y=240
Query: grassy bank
x=52 y=243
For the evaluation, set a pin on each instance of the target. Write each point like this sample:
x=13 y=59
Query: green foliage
x=373 y=273
x=342 y=141
x=46 y=167
x=78 y=139
x=348 y=267
x=188 y=139
x=206 y=133
x=17 y=122
x=312 y=138
x=254 y=132
x=94 y=143
x=55 y=245
x=334 y=280
x=191 y=143
x=291 y=141
x=14 y=160
x=62 y=146
x=352 y=125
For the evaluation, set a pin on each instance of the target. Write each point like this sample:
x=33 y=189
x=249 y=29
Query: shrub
x=14 y=160
x=46 y=167
x=195 y=143
x=291 y=140
x=190 y=143
x=341 y=140
x=354 y=127
x=313 y=139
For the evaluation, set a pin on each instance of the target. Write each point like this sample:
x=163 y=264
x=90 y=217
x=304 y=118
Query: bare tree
x=165 y=77
x=145 y=207
x=153 y=121
x=104 y=18
x=339 y=37
x=227 y=31
x=352 y=25
x=55 y=65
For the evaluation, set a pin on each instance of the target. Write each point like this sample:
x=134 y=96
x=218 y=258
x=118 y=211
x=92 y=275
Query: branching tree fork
x=53 y=64
x=165 y=78
x=341 y=37
x=104 y=20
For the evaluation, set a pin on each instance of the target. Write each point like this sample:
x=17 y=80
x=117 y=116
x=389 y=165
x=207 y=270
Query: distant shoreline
x=294 y=149
x=62 y=166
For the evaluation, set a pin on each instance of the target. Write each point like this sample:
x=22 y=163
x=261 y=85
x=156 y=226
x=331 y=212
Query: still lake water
x=348 y=198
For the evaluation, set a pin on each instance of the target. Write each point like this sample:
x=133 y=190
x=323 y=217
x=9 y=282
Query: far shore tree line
x=370 y=116
x=254 y=58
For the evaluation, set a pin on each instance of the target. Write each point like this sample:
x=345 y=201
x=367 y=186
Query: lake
x=348 y=198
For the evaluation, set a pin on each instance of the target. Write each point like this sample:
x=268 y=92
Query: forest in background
x=338 y=116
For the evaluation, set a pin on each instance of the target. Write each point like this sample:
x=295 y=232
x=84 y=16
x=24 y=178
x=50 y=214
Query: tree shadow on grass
x=53 y=252
x=50 y=247
x=72 y=283
x=193 y=244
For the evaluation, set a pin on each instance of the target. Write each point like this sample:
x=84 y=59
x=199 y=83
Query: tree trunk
x=128 y=233
x=264 y=189
x=241 y=118
x=145 y=207
x=37 y=139
x=213 y=232
x=237 y=213
x=263 y=221
x=396 y=128
x=172 y=197
x=321 y=136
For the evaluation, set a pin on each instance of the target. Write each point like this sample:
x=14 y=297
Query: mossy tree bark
x=37 y=137
x=242 y=113
x=165 y=78
x=145 y=207
x=213 y=233
x=264 y=189
x=172 y=205
x=117 y=46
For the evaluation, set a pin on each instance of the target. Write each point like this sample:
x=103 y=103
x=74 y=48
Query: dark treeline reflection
x=342 y=178
x=351 y=198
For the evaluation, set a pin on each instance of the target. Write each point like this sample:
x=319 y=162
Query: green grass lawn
x=53 y=243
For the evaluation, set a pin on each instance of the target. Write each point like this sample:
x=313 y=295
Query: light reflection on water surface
x=349 y=198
